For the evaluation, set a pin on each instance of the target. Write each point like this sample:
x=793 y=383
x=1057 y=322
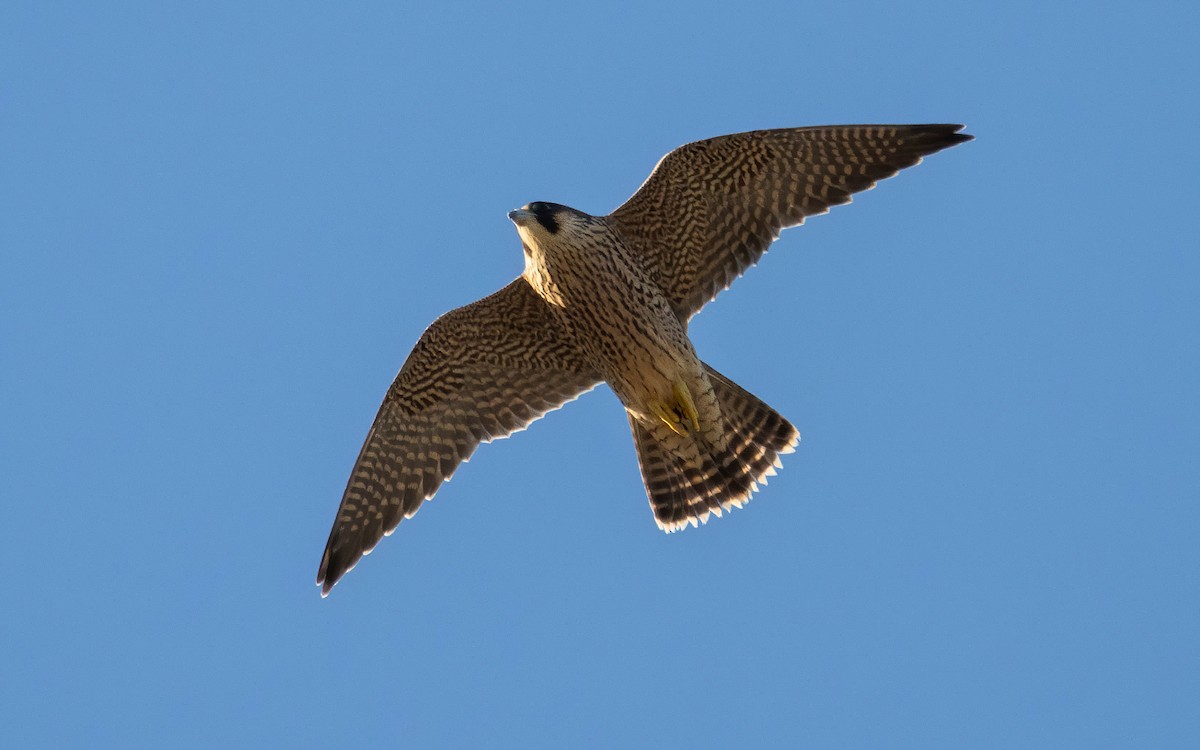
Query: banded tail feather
x=688 y=480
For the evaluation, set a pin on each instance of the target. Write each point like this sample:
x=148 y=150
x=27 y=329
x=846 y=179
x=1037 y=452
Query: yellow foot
x=668 y=417
x=683 y=397
x=680 y=415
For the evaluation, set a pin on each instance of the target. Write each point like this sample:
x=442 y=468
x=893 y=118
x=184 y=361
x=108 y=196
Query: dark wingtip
x=943 y=130
x=931 y=138
x=327 y=584
x=955 y=137
x=949 y=134
x=327 y=578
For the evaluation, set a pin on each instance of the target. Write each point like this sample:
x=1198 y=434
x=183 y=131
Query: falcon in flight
x=608 y=299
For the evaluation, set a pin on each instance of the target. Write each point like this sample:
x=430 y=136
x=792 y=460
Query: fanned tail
x=688 y=479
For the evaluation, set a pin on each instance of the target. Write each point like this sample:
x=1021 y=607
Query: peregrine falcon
x=608 y=299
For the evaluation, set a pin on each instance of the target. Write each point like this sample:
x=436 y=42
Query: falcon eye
x=544 y=213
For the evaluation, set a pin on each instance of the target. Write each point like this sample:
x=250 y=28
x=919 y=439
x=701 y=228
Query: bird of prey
x=608 y=299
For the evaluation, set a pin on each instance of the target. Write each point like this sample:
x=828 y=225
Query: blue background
x=224 y=227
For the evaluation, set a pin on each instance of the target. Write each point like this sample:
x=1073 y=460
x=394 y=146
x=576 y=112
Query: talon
x=664 y=413
x=684 y=398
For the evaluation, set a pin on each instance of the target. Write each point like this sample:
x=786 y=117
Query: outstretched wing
x=711 y=209
x=479 y=373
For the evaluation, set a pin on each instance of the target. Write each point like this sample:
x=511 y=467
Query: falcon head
x=554 y=237
x=544 y=215
x=546 y=229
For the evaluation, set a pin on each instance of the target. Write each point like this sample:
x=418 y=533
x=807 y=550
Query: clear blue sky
x=223 y=229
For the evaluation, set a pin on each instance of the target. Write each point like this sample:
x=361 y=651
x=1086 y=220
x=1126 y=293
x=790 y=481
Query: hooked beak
x=520 y=216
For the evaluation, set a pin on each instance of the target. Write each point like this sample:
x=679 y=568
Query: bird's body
x=608 y=299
